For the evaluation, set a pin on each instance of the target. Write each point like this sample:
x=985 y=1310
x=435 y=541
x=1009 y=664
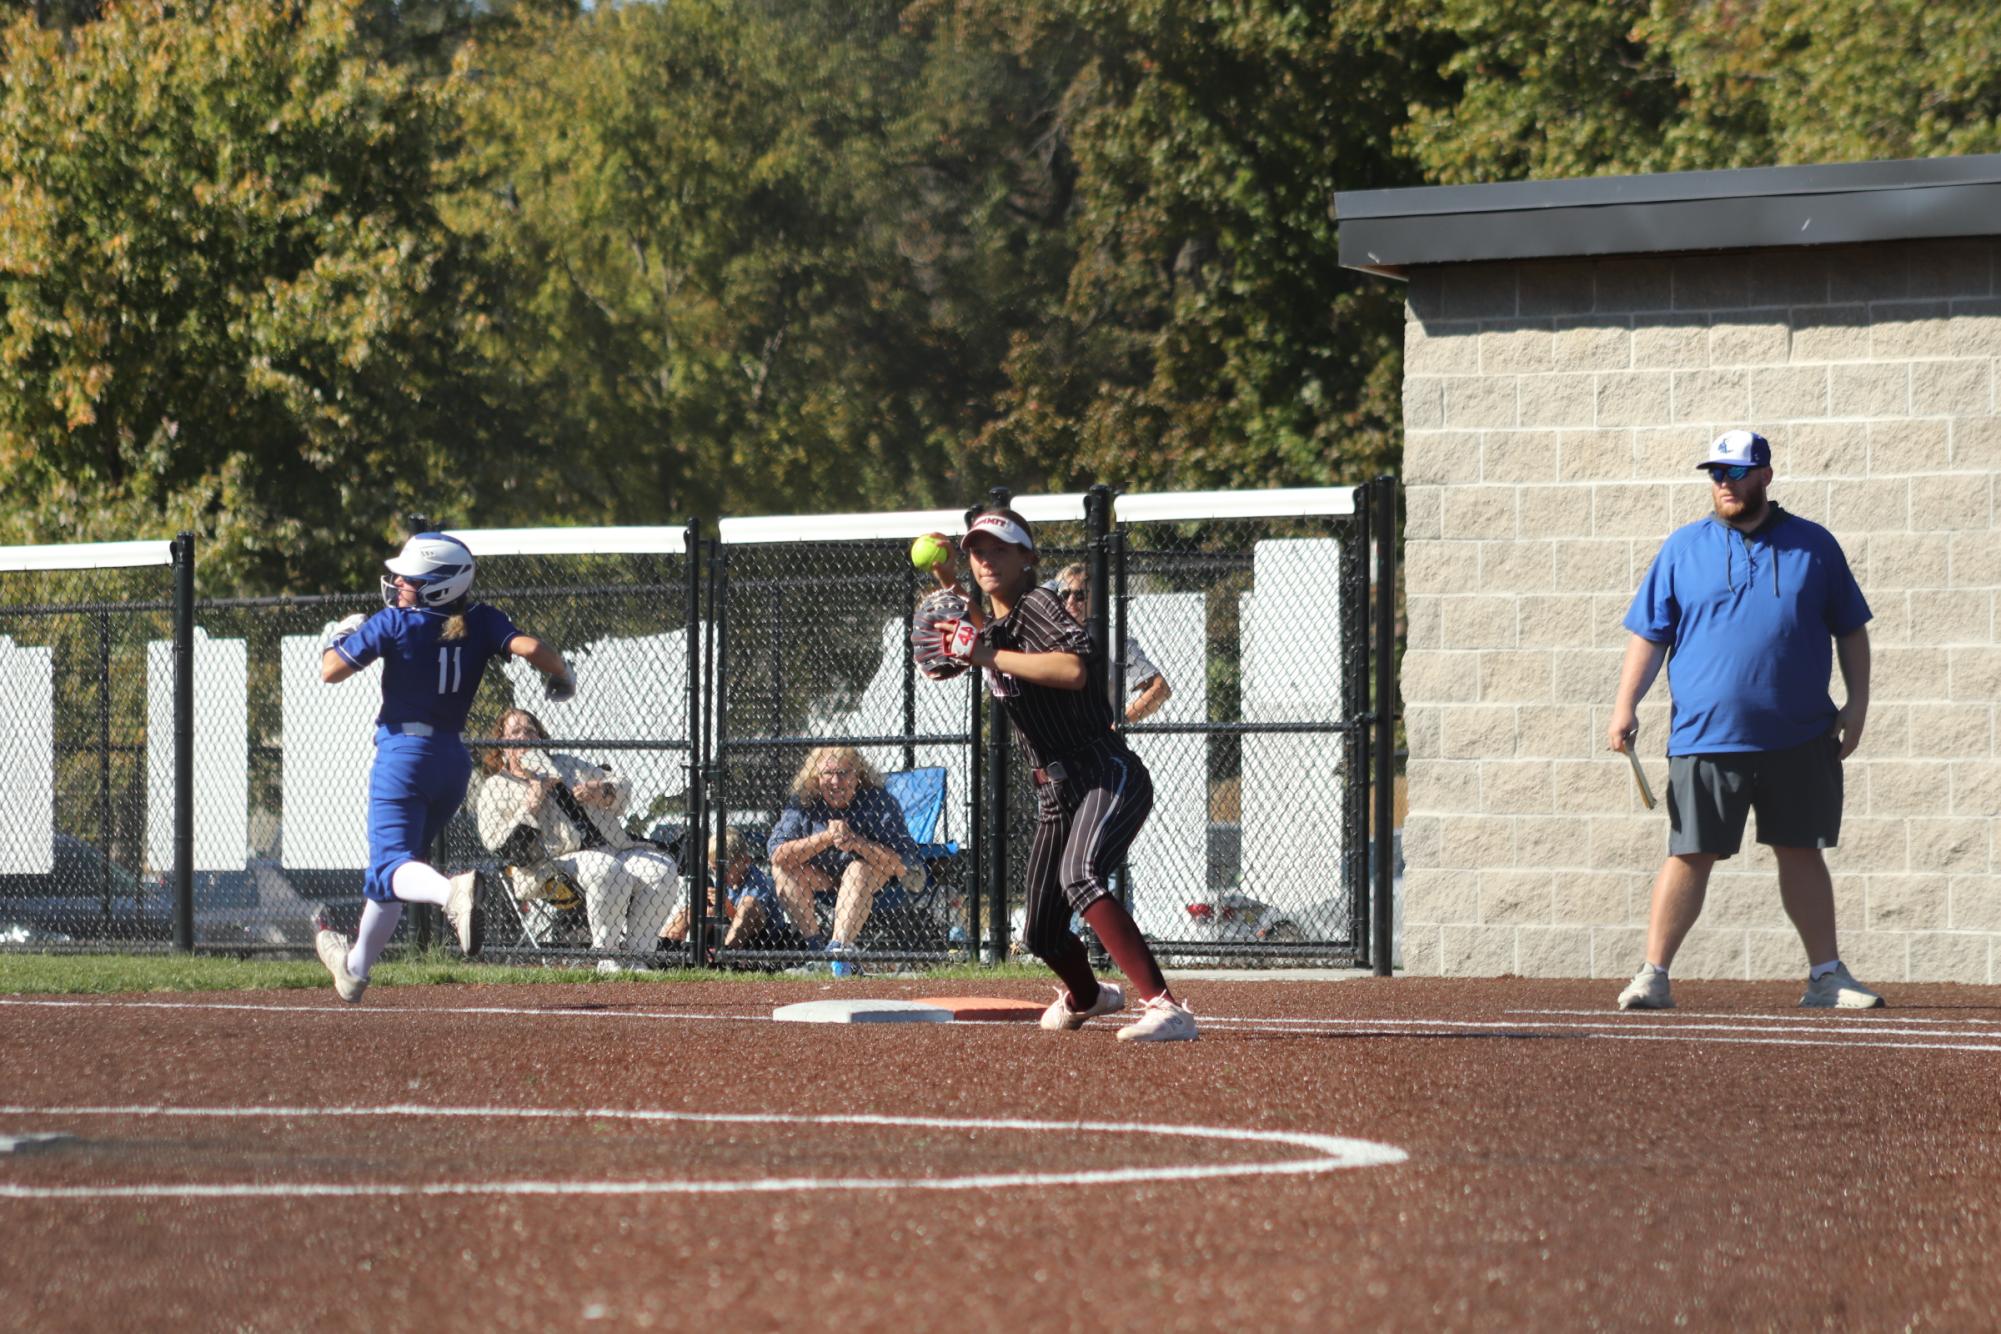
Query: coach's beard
x=1731 y=507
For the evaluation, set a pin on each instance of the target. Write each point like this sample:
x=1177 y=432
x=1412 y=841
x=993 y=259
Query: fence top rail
x=643 y=541
x=1276 y=503
x=886 y=525
x=88 y=555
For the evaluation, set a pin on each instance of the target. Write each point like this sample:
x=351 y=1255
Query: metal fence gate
x=179 y=778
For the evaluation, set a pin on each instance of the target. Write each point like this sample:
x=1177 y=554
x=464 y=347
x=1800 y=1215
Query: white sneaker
x=1163 y=1020
x=1647 y=991
x=1839 y=990
x=1059 y=1014
x=332 y=948
x=462 y=913
x=608 y=966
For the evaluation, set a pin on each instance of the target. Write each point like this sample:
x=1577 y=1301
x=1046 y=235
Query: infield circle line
x=1335 y=1153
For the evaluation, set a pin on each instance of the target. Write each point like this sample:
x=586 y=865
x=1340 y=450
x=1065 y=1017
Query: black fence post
x=997 y=831
x=717 y=667
x=183 y=549
x=1359 y=571
x=1097 y=525
x=1385 y=525
x=998 y=731
x=1107 y=663
x=976 y=831
x=694 y=838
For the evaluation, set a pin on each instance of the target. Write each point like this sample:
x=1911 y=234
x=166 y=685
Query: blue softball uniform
x=421 y=767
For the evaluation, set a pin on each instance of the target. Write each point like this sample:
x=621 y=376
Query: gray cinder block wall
x=1554 y=414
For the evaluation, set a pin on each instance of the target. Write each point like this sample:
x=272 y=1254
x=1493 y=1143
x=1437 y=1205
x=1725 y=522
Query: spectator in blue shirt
x=841 y=837
x=1750 y=607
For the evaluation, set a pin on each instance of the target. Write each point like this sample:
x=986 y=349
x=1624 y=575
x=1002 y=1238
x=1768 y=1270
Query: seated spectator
x=545 y=812
x=1145 y=689
x=744 y=897
x=841 y=838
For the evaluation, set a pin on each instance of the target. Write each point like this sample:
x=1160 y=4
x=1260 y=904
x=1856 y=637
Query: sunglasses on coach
x=1736 y=472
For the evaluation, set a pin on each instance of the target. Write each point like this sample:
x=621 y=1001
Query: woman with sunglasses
x=1092 y=794
x=1146 y=688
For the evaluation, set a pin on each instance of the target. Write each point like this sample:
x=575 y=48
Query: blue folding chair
x=921 y=794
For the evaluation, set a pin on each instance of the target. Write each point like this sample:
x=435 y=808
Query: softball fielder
x=434 y=643
x=1092 y=794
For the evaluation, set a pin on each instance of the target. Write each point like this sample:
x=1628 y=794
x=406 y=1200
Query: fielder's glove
x=341 y=629
x=941 y=638
x=559 y=689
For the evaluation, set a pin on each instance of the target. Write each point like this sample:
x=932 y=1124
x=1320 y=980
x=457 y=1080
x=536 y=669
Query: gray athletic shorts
x=1796 y=793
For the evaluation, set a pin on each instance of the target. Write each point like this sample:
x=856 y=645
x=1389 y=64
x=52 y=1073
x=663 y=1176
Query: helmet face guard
x=438 y=566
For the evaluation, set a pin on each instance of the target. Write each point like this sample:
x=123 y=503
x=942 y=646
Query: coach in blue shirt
x=1750 y=607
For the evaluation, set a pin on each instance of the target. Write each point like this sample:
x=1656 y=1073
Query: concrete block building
x=1570 y=349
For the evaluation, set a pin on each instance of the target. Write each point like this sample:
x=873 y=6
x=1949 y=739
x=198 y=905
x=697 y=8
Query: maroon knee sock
x=1072 y=967
x=1128 y=948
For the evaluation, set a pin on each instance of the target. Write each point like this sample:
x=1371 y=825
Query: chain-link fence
x=278 y=760
x=1234 y=638
x=846 y=776
x=870 y=816
x=86 y=685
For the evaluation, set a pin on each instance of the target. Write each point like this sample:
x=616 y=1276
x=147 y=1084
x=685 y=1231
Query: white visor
x=1000 y=526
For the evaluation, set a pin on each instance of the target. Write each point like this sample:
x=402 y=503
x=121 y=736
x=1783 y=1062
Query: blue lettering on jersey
x=425 y=678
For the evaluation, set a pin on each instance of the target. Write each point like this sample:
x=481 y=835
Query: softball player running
x=1092 y=794
x=434 y=643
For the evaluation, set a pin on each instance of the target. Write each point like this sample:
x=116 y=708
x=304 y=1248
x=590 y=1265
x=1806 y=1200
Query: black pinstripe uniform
x=1087 y=818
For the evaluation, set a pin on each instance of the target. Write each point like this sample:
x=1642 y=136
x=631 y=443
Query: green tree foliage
x=1205 y=335
x=1556 y=88
x=715 y=296
x=226 y=300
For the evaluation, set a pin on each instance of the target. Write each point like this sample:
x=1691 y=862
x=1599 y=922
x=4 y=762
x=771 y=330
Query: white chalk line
x=1333 y=1153
x=1365 y=1029
x=1684 y=1028
x=310 y=1010
x=1607 y=1025
x=1810 y=1017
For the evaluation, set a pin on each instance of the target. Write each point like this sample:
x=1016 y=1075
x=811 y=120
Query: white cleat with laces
x=331 y=946
x=1163 y=1020
x=1059 y=1015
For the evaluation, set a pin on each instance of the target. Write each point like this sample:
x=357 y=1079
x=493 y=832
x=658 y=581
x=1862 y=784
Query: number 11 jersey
x=427 y=678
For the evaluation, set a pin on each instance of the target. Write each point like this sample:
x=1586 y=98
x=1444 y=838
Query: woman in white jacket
x=545 y=811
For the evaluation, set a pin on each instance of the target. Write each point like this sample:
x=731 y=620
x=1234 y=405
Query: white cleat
x=1059 y=1015
x=332 y=947
x=1647 y=991
x=462 y=913
x=1839 y=990
x=1163 y=1020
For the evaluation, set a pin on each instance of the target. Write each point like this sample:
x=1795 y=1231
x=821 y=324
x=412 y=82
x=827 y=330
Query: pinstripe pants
x=1083 y=826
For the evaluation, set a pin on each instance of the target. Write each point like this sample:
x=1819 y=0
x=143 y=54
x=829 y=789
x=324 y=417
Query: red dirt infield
x=665 y=1156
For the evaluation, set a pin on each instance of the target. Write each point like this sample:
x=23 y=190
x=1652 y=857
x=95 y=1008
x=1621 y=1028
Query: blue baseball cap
x=1733 y=449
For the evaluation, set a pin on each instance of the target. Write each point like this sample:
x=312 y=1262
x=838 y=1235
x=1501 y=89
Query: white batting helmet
x=440 y=567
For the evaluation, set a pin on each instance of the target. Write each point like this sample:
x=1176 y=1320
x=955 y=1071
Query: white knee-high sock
x=378 y=923
x=414 y=882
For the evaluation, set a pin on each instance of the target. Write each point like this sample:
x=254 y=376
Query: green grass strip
x=117 y=974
